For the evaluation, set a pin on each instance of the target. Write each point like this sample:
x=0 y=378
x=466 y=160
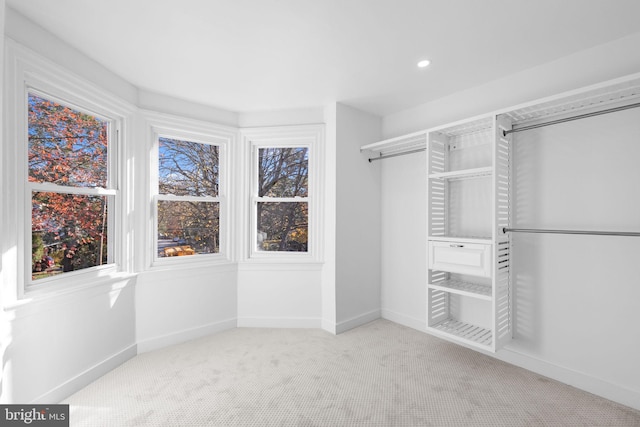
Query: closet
x=470 y=207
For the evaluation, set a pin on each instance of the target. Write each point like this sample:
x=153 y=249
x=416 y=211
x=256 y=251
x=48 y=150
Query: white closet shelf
x=399 y=144
x=599 y=96
x=463 y=173
x=465 y=332
x=462 y=239
x=459 y=287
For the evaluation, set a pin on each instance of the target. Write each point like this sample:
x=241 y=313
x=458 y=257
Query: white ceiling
x=258 y=55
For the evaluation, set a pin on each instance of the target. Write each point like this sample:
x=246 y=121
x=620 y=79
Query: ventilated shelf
x=414 y=141
x=475 y=290
x=467 y=332
x=463 y=173
x=463 y=239
x=596 y=97
x=466 y=127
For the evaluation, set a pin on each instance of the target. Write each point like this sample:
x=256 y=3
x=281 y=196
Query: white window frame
x=168 y=126
x=28 y=73
x=311 y=137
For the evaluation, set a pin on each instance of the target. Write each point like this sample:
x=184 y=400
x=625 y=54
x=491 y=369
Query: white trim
x=279 y=264
x=581 y=380
x=356 y=321
x=27 y=72
x=404 y=320
x=155 y=343
x=565 y=375
x=329 y=326
x=42 y=300
x=67 y=388
x=279 y=322
x=310 y=136
x=165 y=125
x=54 y=188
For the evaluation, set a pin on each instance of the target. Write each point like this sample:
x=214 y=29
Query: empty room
x=320 y=213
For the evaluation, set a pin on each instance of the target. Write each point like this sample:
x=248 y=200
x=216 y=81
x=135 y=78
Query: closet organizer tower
x=468 y=292
x=469 y=207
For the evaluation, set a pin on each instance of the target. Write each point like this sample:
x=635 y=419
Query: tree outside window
x=282 y=210
x=188 y=204
x=69 y=184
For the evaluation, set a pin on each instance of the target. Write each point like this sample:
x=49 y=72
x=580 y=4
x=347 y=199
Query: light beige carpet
x=380 y=374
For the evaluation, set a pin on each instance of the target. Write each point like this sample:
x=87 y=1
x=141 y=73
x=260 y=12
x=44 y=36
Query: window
x=285 y=194
x=282 y=206
x=188 y=200
x=71 y=187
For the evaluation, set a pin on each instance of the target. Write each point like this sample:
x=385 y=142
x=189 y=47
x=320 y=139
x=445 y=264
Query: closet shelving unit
x=469 y=166
x=468 y=184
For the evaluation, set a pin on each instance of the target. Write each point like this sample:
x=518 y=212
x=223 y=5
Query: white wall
x=56 y=346
x=46 y=44
x=575 y=306
x=404 y=237
x=575 y=294
x=328 y=273
x=170 y=105
x=279 y=295
x=358 y=216
x=55 y=343
x=600 y=63
x=181 y=303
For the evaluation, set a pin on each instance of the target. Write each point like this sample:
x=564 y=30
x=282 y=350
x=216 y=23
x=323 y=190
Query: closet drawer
x=463 y=258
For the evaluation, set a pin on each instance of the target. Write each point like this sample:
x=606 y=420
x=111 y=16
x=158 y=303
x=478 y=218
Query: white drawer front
x=463 y=258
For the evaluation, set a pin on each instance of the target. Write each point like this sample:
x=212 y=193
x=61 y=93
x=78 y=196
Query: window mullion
x=281 y=199
x=173 y=197
x=55 y=188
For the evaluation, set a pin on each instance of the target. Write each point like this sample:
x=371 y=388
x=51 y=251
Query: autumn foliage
x=67 y=148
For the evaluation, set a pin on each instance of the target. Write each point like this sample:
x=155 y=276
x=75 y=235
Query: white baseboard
x=581 y=380
x=156 y=343
x=329 y=326
x=404 y=320
x=85 y=378
x=607 y=390
x=279 y=322
x=354 y=322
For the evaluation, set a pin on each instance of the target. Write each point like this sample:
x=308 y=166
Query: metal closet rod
x=569 y=119
x=598 y=233
x=382 y=157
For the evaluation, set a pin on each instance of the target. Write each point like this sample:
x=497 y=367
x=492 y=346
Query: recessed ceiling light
x=424 y=63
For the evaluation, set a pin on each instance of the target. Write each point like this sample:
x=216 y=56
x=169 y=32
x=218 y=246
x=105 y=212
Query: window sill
x=190 y=262
x=78 y=288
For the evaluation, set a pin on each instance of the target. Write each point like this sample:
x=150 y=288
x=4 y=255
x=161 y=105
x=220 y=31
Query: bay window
x=285 y=192
x=188 y=179
x=71 y=187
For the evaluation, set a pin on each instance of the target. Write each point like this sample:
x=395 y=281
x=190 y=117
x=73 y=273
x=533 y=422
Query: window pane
x=188 y=168
x=283 y=172
x=283 y=226
x=68 y=232
x=66 y=147
x=188 y=228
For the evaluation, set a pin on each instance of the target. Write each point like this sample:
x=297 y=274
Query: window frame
x=310 y=137
x=28 y=73
x=110 y=191
x=166 y=126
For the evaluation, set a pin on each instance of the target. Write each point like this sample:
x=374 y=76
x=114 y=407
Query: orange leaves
x=66 y=147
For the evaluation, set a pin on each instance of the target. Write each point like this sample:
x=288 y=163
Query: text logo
x=34 y=415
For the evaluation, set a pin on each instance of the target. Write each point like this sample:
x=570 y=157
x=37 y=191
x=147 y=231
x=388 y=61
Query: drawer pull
x=457 y=246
